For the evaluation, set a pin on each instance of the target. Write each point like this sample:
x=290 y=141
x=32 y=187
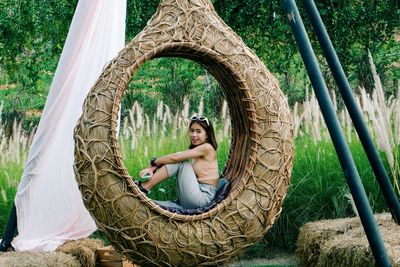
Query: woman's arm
x=196 y=152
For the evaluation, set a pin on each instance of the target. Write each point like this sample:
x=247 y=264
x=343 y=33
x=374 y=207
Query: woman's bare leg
x=160 y=175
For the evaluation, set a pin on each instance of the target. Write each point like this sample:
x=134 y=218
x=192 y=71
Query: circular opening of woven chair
x=240 y=113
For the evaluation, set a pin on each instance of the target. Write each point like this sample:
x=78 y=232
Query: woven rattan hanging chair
x=259 y=164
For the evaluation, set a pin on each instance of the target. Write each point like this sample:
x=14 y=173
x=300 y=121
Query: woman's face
x=197 y=134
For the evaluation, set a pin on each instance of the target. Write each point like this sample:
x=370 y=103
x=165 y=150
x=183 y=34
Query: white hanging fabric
x=50 y=209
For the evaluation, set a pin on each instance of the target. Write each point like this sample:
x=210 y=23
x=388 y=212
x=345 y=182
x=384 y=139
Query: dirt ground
x=276 y=258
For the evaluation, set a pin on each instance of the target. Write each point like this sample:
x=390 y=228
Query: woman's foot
x=139 y=184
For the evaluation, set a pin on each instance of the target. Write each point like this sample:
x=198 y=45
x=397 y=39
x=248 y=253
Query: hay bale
x=84 y=250
x=37 y=259
x=350 y=249
x=71 y=254
x=314 y=234
x=342 y=242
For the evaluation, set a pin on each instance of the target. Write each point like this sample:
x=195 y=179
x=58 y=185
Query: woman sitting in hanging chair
x=196 y=169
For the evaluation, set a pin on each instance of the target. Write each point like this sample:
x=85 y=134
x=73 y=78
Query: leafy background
x=33 y=34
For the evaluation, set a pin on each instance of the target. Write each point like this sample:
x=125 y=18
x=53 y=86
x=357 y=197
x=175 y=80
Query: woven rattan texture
x=259 y=164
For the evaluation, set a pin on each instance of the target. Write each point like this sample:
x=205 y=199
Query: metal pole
x=354 y=110
x=338 y=139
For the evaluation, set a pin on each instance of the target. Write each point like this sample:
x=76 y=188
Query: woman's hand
x=147 y=171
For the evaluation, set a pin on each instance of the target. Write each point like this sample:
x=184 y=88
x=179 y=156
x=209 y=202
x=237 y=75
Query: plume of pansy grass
x=385 y=124
x=200 y=107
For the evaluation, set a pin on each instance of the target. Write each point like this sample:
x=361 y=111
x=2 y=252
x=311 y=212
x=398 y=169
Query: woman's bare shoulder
x=206 y=146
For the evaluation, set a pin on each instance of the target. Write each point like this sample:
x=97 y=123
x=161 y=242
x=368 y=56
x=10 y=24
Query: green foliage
x=33 y=34
x=171 y=80
x=137 y=15
x=354 y=27
x=8 y=189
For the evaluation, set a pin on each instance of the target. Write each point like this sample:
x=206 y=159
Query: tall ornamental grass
x=13 y=154
x=318 y=189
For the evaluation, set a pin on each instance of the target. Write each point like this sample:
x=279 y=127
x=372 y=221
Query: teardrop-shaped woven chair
x=259 y=164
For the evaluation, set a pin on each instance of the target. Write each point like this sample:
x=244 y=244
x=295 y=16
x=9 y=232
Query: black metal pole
x=342 y=149
x=354 y=110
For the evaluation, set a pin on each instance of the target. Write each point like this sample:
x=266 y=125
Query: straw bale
x=71 y=254
x=342 y=242
x=37 y=259
x=84 y=250
x=259 y=165
x=314 y=234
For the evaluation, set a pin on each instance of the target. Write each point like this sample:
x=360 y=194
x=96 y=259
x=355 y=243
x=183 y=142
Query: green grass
x=318 y=190
x=9 y=178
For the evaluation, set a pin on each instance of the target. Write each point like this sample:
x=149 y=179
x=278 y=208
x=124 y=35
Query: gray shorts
x=191 y=194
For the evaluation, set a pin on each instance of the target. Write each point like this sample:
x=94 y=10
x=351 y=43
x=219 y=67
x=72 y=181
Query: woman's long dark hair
x=209 y=132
